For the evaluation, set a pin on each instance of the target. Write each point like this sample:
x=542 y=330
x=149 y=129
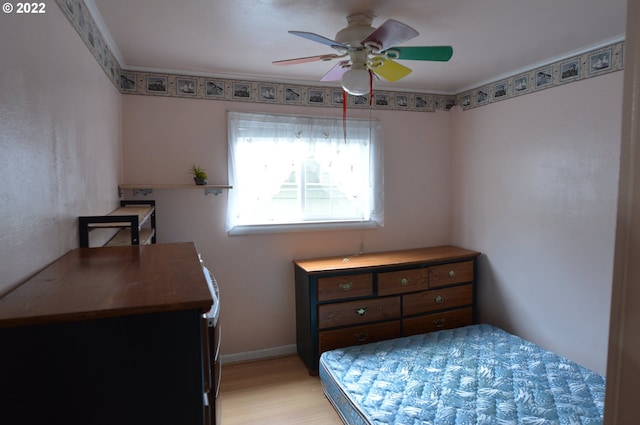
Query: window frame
x=352 y=128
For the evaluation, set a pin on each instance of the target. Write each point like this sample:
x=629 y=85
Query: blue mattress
x=473 y=375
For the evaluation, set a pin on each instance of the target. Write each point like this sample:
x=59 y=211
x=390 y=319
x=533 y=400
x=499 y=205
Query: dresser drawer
x=403 y=281
x=437 y=299
x=437 y=321
x=349 y=286
x=356 y=335
x=448 y=274
x=355 y=312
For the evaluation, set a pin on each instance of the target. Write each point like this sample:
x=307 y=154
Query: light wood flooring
x=276 y=391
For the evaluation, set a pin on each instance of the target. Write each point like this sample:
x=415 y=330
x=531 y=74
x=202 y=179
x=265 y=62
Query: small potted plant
x=199 y=174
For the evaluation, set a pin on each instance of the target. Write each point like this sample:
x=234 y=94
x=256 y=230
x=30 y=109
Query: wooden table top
x=90 y=283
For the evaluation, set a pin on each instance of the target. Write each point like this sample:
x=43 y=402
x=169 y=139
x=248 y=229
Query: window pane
x=296 y=172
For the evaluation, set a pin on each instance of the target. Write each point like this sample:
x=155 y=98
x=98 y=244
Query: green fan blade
x=422 y=53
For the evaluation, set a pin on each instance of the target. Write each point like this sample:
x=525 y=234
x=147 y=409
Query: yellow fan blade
x=391 y=70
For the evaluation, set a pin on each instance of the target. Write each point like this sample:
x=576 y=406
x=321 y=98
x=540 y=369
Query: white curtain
x=265 y=149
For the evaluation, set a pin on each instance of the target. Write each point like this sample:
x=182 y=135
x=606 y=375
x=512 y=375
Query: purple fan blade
x=336 y=73
x=391 y=33
x=319 y=39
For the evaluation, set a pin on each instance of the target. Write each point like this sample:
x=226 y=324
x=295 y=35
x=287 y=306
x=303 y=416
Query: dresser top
x=388 y=258
x=89 y=283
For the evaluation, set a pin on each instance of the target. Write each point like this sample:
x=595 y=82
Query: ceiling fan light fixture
x=356 y=81
x=371 y=51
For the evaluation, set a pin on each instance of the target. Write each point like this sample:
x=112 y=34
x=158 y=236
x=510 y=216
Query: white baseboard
x=285 y=350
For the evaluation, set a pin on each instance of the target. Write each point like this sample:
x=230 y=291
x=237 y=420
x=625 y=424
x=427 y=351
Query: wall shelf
x=146 y=189
x=134 y=223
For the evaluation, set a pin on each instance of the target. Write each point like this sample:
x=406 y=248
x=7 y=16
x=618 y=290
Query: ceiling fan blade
x=391 y=70
x=306 y=59
x=390 y=33
x=336 y=73
x=424 y=53
x=319 y=39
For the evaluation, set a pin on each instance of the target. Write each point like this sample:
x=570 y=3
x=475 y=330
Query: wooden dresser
x=112 y=335
x=343 y=301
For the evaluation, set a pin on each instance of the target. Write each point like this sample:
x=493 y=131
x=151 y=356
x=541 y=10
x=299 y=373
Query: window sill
x=301 y=227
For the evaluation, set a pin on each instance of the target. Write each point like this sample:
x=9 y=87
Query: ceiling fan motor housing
x=358 y=29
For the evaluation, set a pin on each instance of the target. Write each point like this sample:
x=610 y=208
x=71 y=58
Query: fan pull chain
x=344 y=105
x=344 y=114
x=370 y=88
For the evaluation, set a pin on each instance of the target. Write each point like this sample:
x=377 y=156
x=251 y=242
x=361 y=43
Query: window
x=291 y=172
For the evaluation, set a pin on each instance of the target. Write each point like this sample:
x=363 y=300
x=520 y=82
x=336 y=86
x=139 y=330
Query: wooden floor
x=277 y=391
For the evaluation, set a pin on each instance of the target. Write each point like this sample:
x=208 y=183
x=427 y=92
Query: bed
x=473 y=375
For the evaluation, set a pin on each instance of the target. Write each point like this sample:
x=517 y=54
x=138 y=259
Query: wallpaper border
x=80 y=18
x=593 y=63
x=196 y=87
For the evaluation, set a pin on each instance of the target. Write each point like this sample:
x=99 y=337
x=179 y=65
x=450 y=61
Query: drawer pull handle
x=439 y=299
x=452 y=273
x=439 y=323
x=362 y=311
x=346 y=286
x=404 y=281
x=362 y=336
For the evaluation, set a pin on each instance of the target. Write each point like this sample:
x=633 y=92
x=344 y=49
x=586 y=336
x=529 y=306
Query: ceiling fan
x=370 y=51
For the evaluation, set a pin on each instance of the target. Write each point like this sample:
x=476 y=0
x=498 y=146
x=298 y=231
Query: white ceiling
x=240 y=38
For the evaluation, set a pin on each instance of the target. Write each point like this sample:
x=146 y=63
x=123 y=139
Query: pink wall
x=60 y=144
x=535 y=189
x=163 y=136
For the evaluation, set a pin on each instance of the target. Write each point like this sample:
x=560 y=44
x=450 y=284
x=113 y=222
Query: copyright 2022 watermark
x=24 y=8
